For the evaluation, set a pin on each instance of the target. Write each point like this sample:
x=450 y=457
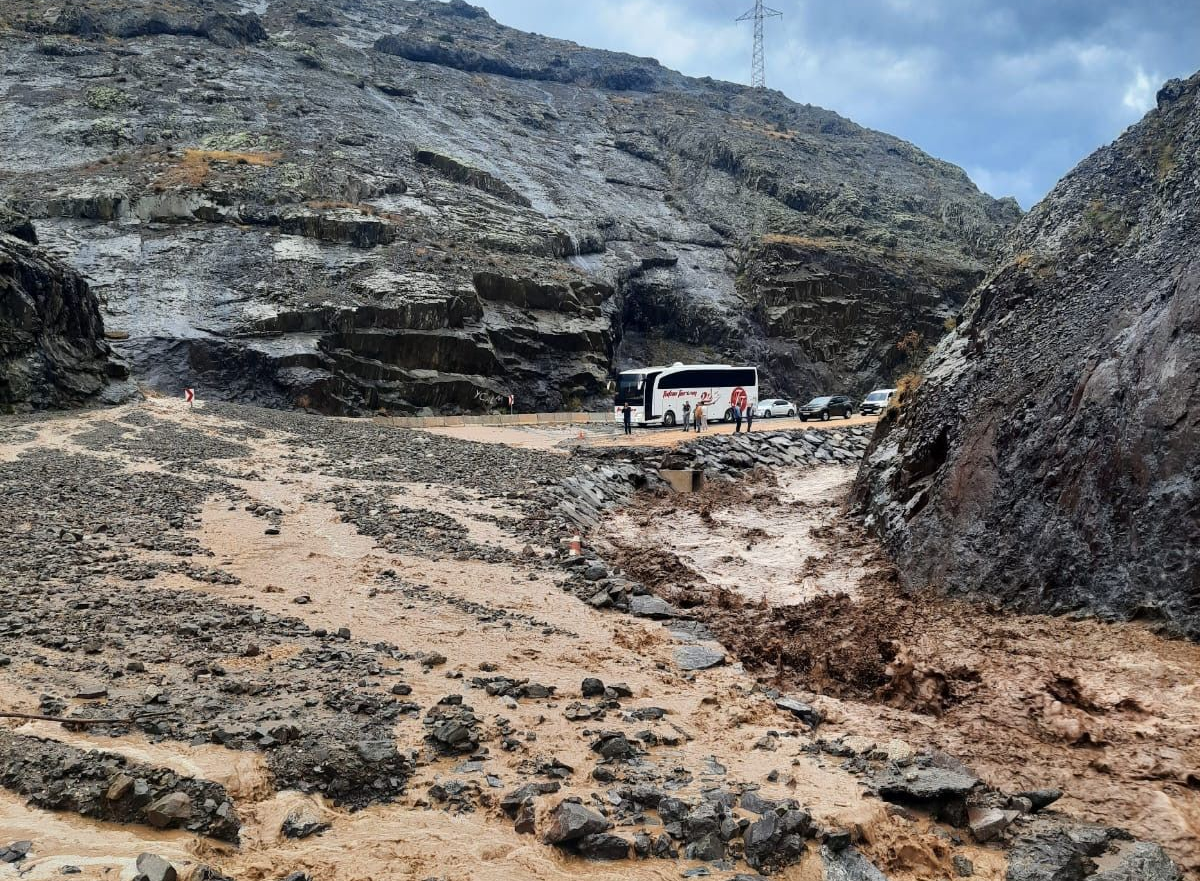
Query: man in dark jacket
x=737 y=419
x=627 y=412
x=687 y=415
x=749 y=416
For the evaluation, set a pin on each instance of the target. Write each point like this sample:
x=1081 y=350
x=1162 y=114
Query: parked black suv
x=824 y=407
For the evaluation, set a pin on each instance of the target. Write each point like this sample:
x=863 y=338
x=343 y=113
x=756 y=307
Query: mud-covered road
x=340 y=651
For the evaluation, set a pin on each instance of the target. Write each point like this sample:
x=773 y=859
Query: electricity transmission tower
x=758 y=76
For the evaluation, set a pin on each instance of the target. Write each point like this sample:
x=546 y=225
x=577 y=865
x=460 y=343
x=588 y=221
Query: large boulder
x=1050 y=457
x=570 y=821
x=52 y=349
x=1143 y=861
x=1048 y=857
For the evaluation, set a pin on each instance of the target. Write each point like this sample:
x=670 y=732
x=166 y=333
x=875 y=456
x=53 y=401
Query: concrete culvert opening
x=683 y=480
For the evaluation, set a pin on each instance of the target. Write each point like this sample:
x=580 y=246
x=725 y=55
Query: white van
x=877 y=401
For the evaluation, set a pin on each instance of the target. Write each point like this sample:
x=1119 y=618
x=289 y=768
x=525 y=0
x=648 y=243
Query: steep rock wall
x=52 y=349
x=1051 y=457
x=217 y=169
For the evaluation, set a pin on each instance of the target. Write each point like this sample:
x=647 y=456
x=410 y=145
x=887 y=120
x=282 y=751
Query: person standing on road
x=698 y=417
x=749 y=416
x=627 y=412
x=737 y=419
x=687 y=416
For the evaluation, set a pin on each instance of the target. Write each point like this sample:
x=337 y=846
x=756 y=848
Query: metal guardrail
x=515 y=419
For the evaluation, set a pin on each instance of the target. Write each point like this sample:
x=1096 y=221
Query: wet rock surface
x=369 y=247
x=1056 y=424
x=52 y=348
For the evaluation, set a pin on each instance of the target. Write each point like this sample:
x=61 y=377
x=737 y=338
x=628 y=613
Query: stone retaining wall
x=493 y=419
x=616 y=475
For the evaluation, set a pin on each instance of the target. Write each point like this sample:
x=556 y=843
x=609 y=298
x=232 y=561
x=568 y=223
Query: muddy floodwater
x=1108 y=713
x=247 y=578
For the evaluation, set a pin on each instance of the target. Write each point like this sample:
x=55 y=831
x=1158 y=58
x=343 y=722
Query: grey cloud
x=1014 y=91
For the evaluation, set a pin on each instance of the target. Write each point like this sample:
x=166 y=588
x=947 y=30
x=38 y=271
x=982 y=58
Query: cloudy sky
x=1014 y=91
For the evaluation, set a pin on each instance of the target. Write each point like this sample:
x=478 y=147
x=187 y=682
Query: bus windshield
x=629 y=387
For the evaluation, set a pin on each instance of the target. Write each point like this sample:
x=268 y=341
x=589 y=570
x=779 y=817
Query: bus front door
x=648 y=396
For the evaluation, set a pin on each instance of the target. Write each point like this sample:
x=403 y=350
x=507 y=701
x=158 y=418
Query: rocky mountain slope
x=363 y=204
x=1052 y=455
x=52 y=348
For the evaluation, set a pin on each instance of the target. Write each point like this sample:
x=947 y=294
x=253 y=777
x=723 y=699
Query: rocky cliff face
x=365 y=204
x=1051 y=458
x=52 y=349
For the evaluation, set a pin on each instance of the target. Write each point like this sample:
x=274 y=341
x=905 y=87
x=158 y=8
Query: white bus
x=657 y=394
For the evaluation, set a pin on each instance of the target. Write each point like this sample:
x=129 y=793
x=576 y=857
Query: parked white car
x=774 y=407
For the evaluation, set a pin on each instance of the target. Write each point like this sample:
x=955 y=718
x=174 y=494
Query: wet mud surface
x=361 y=653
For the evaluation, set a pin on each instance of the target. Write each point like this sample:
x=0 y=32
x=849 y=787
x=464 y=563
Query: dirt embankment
x=1108 y=713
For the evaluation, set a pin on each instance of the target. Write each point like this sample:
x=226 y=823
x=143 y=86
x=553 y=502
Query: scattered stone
x=1143 y=861
x=988 y=823
x=303 y=822
x=963 y=867
x=706 y=848
x=592 y=687
x=452 y=726
x=1020 y=804
x=922 y=784
x=648 y=606
x=603 y=846
x=806 y=713
x=170 y=810
x=776 y=840
x=121 y=786
x=15 y=852
x=512 y=802
x=899 y=752
x=152 y=867
x=1041 y=798
x=614 y=745
x=525 y=822
x=698 y=657
x=838 y=841
x=1048 y=857
x=756 y=804
x=849 y=865
x=569 y=821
